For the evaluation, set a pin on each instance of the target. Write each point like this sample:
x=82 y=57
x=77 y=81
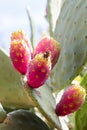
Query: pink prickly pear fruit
x=72 y=99
x=21 y=35
x=39 y=70
x=20 y=55
x=48 y=44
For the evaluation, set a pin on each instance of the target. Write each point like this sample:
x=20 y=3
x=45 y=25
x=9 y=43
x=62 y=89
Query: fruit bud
x=51 y=45
x=39 y=70
x=72 y=99
x=20 y=55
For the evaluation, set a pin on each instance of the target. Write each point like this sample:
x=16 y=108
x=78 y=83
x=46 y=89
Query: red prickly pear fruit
x=20 y=55
x=21 y=35
x=72 y=99
x=39 y=70
x=48 y=44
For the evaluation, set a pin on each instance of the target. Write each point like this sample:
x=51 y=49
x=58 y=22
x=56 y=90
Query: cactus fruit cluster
x=38 y=64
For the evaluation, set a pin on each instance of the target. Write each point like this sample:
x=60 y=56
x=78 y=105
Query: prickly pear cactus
x=71 y=32
x=13 y=95
x=68 y=21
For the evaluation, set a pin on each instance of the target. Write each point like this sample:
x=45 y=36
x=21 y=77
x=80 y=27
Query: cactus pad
x=11 y=90
x=53 y=10
x=71 y=32
x=81 y=118
x=46 y=104
x=81 y=114
x=23 y=120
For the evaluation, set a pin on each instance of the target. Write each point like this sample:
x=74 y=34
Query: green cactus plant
x=67 y=23
x=13 y=95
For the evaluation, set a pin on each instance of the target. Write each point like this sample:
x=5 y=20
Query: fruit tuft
x=21 y=35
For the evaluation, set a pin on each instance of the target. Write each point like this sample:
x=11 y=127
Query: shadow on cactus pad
x=23 y=120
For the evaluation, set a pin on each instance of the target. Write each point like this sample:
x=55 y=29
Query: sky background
x=13 y=17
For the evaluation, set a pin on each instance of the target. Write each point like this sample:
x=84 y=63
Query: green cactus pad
x=23 y=120
x=81 y=114
x=11 y=90
x=2 y=114
x=81 y=118
x=46 y=104
x=71 y=32
x=53 y=10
